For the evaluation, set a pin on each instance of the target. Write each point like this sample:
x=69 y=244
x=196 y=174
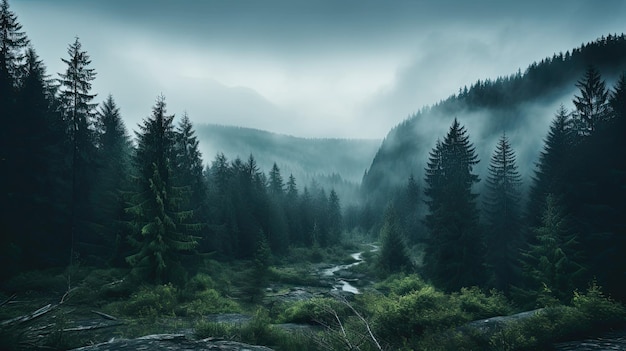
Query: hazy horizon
x=350 y=69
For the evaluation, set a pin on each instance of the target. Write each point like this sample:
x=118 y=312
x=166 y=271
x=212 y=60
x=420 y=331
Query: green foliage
x=410 y=315
x=201 y=297
x=393 y=256
x=293 y=275
x=313 y=311
x=205 y=302
x=401 y=284
x=589 y=311
x=599 y=308
x=455 y=251
x=503 y=235
x=152 y=301
x=479 y=305
x=550 y=266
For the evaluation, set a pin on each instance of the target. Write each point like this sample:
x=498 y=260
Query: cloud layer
x=324 y=68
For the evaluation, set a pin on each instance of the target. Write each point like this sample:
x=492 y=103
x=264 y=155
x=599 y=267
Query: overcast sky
x=328 y=68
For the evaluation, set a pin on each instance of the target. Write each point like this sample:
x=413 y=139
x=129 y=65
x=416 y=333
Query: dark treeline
x=507 y=103
x=77 y=188
x=570 y=232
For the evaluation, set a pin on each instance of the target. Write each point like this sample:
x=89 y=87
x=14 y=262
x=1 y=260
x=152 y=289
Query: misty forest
x=128 y=237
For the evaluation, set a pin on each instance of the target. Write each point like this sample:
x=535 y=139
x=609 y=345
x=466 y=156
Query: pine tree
x=393 y=255
x=454 y=256
x=35 y=203
x=551 y=266
x=75 y=87
x=158 y=205
x=114 y=149
x=276 y=185
x=12 y=44
x=592 y=105
x=189 y=168
x=335 y=222
x=617 y=100
x=292 y=212
x=503 y=216
x=553 y=167
x=408 y=207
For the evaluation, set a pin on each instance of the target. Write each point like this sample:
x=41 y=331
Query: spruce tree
x=592 y=105
x=114 y=149
x=455 y=254
x=335 y=221
x=13 y=41
x=189 y=168
x=550 y=265
x=276 y=184
x=292 y=212
x=158 y=206
x=502 y=210
x=553 y=167
x=393 y=255
x=76 y=97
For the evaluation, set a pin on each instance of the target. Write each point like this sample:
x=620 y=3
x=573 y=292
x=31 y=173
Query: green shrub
x=150 y=301
x=208 y=302
x=401 y=284
x=312 y=311
x=295 y=276
x=597 y=308
x=479 y=305
x=411 y=315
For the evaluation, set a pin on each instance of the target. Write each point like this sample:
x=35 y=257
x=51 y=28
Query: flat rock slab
x=171 y=342
x=487 y=327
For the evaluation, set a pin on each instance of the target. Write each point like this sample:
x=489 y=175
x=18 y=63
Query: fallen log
x=28 y=317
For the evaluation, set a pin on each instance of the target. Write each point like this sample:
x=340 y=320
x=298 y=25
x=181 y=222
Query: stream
x=343 y=284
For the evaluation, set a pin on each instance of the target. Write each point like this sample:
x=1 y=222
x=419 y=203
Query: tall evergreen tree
x=159 y=216
x=393 y=252
x=114 y=149
x=13 y=41
x=454 y=256
x=292 y=212
x=75 y=90
x=36 y=203
x=189 y=168
x=276 y=184
x=551 y=266
x=592 y=105
x=503 y=216
x=553 y=167
x=335 y=221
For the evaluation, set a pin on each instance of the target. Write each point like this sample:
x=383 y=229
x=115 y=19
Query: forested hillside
x=77 y=188
x=302 y=157
x=534 y=204
x=331 y=163
x=521 y=105
x=493 y=220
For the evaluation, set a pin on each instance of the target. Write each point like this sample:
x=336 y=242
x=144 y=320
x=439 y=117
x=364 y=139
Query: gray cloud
x=316 y=68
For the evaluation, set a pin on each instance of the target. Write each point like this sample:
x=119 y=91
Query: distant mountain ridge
x=305 y=158
x=521 y=105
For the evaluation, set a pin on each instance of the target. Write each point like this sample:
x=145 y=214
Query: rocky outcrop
x=171 y=342
x=489 y=326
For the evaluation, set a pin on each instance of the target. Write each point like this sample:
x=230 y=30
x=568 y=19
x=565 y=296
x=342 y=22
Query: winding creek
x=343 y=284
